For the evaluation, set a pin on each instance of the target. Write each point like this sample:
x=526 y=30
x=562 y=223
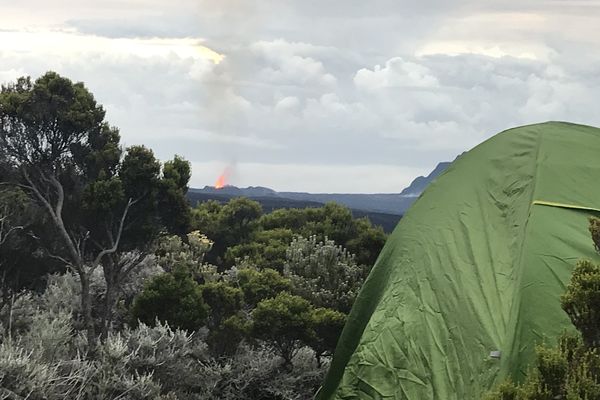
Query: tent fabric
x=476 y=266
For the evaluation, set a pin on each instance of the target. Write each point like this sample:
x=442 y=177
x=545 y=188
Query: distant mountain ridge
x=386 y=203
x=420 y=183
x=250 y=191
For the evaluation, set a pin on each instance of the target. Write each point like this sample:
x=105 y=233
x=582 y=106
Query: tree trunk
x=110 y=298
x=5 y=302
x=86 y=311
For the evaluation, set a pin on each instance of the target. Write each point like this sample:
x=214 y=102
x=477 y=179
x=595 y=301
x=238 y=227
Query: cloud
x=396 y=73
x=350 y=96
x=66 y=45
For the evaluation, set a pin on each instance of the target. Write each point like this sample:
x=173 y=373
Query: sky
x=320 y=96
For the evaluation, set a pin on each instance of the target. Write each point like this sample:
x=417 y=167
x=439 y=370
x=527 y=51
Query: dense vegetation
x=112 y=286
x=570 y=370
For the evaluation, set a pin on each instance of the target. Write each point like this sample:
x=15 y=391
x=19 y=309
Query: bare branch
x=5 y=234
x=56 y=215
x=132 y=263
x=61 y=196
x=61 y=259
x=83 y=243
x=5 y=229
x=116 y=242
x=38 y=194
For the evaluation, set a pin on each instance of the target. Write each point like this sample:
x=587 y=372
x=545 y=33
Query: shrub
x=174 y=298
x=324 y=273
x=260 y=285
x=284 y=322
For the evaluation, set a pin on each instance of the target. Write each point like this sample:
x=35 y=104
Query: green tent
x=470 y=280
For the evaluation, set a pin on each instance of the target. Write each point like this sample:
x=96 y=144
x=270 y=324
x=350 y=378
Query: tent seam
x=519 y=261
x=563 y=205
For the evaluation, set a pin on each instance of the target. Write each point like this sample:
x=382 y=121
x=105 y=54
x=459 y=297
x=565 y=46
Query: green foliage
x=324 y=273
x=284 y=322
x=505 y=391
x=121 y=221
x=56 y=145
x=582 y=302
x=266 y=249
x=103 y=196
x=334 y=222
x=552 y=369
x=241 y=213
x=595 y=232
x=367 y=243
x=241 y=231
x=224 y=340
x=288 y=322
x=173 y=205
x=205 y=217
x=223 y=300
x=101 y=158
x=260 y=285
x=178 y=171
x=228 y=224
x=327 y=326
x=172 y=251
x=52 y=114
x=569 y=371
x=139 y=171
x=22 y=264
x=174 y=298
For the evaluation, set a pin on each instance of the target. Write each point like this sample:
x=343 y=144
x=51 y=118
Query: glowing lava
x=221 y=181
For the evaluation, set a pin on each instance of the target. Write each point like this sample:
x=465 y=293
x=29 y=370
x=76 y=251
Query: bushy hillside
x=113 y=287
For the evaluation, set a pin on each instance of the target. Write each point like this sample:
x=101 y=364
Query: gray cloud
x=388 y=87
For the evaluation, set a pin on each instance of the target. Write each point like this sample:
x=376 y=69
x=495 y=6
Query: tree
x=334 y=222
x=367 y=243
x=173 y=204
x=570 y=370
x=173 y=251
x=225 y=325
x=582 y=302
x=45 y=131
x=18 y=266
x=223 y=300
x=174 y=298
x=265 y=249
x=9 y=220
x=327 y=325
x=260 y=285
x=56 y=146
x=324 y=273
x=227 y=224
x=284 y=322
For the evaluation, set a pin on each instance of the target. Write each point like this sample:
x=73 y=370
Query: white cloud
x=68 y=44
x=299 y=92
x=395 y=74
x=291 y=64
x=287 y=104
